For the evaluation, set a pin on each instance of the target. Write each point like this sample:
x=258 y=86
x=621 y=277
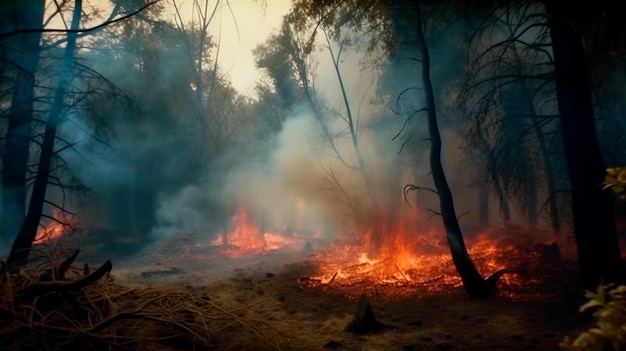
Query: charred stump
x=364 y=321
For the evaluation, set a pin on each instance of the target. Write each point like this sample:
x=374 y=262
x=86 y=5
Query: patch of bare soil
x=315 y=318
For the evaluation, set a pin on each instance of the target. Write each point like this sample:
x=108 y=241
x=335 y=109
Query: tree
x=508 y=95
x=474 y=283
x=62 y=104
x=293 y=82
x=23 y=54
x=24 y=239
x=594 y=224
x=371 y=14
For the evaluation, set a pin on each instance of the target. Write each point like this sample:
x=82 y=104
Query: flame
x=409 y=259
x=60 y=224
x=247 y=238
x=401 y=254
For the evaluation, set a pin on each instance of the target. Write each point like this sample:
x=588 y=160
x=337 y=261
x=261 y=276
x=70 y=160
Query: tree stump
x=550 y=254
x=364 y=321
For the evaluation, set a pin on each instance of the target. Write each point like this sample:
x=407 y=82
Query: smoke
x=152 y=180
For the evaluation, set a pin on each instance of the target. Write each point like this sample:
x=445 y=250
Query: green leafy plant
x=615 y=179
x=609 y=301
x=609 y=332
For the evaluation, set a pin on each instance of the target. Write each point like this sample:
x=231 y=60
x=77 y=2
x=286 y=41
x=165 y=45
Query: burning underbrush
x=390 y=259
x=402 y=260
x=412 y=263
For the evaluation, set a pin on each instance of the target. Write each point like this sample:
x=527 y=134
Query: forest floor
x=267 y=290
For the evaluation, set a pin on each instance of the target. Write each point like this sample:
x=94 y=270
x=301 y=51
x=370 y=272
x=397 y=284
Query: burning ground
x=299 y=290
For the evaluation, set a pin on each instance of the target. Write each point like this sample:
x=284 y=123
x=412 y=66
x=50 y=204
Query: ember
x=413 y=266
x=404 y=262
x=60 y=224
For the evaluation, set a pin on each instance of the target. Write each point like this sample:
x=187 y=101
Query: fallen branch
x=41 y=288
x=332 y=278
x=401 y=273
x=58 y=272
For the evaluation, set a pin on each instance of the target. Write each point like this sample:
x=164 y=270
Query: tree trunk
x=518 y=153
x=594 y=224
x=546 y=159
x=483 y=202
x=24 y=240
x=376 y=240
x=505 y=211
x=475 y=285
x=26 y=14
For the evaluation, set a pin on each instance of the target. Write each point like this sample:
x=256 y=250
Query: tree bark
x=25 y=14
x=24 y=239
x=594 y=223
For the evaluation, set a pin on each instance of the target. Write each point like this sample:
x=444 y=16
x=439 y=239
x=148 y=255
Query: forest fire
x=409 y=259
x=421 y=263
x=60 y=224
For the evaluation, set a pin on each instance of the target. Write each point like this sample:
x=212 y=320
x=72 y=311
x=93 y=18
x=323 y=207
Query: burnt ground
x=268 y=292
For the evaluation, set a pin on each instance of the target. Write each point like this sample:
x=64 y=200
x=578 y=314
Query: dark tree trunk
x=483 y=202
x=594 y=223
x=24 y=14
x=475 y=285
x=24 y=240
x=505 y=211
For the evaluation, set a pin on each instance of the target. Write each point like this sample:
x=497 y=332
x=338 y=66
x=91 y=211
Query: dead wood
x=87 y=312
x=57 y=272
x=41 y=288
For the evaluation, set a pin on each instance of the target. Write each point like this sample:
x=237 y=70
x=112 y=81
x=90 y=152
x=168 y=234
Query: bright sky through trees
x=243 y=24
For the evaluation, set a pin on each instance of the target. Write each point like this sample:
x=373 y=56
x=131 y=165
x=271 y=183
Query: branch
x=85 y=30
x=41 y=288
x=410 y=187
x=463 y=214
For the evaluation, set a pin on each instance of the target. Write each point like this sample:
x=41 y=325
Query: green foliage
x=609 y=333
x=615 y=179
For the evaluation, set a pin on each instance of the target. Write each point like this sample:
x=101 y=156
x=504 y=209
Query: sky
x=243 y=24
x=255 y=23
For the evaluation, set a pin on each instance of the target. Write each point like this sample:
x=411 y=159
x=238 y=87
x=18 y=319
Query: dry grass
x=108 y=315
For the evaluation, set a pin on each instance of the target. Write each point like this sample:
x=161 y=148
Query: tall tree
x=24 y=51
x=381 y=15
x=24 y=239
x=474 y=283
x=594 y=224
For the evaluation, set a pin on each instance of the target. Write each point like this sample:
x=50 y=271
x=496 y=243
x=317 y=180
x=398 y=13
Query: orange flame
x=409 y=258
x=247 y=238
x=402 y=252
x=60 y=224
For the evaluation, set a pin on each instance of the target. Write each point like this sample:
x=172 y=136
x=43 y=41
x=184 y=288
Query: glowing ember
x=405 y=257
x=410 y=262
x=60 y=224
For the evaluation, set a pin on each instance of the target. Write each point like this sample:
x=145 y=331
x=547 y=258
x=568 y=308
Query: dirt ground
x=267 y=290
